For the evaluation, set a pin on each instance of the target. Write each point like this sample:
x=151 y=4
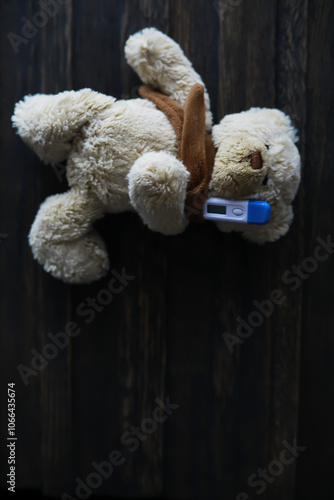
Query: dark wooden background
x=163 y=335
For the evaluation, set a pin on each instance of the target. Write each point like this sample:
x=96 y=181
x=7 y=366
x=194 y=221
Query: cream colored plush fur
x=122 y=155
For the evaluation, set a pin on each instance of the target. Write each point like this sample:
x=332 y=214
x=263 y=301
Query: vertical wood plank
x=95 y=352
x=291 y=67
x=242 y=379
x=190 y=299
x=246 y=55
x=54 y=51
x=43 y=417
x=125 y=344
x=317 y=342
x=18 y=190
x=142 y=343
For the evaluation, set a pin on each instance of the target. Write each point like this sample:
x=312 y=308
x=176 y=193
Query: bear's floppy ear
x=280 y=119
x=219 y=131
x=247 y=120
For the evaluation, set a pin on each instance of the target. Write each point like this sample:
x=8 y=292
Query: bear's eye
x=267 y=146
x=265 y=181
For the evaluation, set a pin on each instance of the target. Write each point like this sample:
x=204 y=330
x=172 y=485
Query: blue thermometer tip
x=258 y=212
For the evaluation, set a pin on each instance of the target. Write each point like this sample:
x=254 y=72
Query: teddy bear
x=124 y=155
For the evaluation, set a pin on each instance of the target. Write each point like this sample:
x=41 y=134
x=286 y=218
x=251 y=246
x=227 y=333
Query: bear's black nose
x=256 y=160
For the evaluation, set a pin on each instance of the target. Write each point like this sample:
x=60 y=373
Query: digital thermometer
x=245 y=212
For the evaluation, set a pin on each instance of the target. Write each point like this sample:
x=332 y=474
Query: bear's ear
x=280 y=119
x=245 y=121
x=219 y=131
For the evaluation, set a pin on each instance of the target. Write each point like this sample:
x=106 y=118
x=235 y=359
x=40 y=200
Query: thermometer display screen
x=217 y=209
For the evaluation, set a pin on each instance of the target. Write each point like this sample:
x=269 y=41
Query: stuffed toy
x=154 y=155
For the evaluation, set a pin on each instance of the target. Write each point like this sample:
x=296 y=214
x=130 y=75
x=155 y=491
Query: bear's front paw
x=157 y=188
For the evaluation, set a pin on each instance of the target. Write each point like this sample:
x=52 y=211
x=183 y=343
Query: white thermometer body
x=244 y=212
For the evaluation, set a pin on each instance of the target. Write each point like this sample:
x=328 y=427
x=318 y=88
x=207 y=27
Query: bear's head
x=257 y=159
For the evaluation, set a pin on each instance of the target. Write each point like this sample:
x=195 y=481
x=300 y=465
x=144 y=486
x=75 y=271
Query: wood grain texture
x=187 y=471
x=163 y=334
x=95 y=351
x=54 y=54
x=19 y=290
x=127 y=340
x=291 y=67
x=242 y=379
x=142 y=357
x=316 y=395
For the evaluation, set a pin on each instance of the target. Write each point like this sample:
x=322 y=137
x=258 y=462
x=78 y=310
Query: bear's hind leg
x=63 y=241
x=161 y=63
